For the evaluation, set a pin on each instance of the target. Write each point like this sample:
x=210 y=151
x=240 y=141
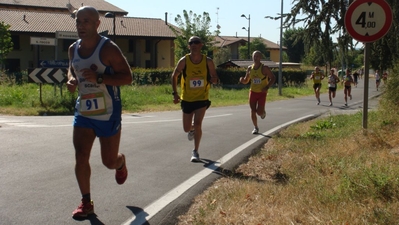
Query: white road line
x=152 y=209
x=171 y=120
x=17 y=123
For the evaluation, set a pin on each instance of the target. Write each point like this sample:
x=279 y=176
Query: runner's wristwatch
x=99 y=78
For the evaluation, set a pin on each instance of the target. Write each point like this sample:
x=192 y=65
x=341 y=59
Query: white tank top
x=331 y=82
x=96 y=101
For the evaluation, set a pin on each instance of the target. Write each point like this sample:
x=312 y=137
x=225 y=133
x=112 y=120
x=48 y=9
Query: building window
x=147 y=46
x=131 y=45
x=66 y=43
x=267 y=55
x=15 y=41
x=148 y=64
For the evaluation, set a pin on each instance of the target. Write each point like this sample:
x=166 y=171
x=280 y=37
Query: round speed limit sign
x=368 y=20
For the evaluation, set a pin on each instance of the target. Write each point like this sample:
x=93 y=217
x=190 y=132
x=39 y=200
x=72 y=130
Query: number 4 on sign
x=368 y=20
x=362 y=20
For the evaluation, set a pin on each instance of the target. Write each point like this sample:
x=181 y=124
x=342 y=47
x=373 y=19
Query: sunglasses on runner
x=194 y=42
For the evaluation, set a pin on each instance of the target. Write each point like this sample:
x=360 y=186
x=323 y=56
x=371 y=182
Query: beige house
x=234 y=42
x=42 y=30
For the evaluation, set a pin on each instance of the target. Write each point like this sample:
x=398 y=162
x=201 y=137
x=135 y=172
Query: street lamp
x=280 y=65
x=249 y=32
x=111 y=15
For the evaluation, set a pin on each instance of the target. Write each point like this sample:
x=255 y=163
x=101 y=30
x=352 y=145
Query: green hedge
x=291 y=77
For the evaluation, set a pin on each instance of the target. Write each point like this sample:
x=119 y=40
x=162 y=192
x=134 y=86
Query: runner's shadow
x=266 y=136
x=92 y=218
x=140 y=216
x=210 y=164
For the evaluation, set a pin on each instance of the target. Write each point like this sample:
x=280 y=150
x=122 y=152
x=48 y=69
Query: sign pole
x=366 y=84
x=367 y=21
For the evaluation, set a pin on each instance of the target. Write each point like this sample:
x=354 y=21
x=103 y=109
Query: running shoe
x=190 y=135
x=331 y=104
x=263 y=115
x=195 y=156
x=255 y=131
x=85 y=208
x=346 y=104
x=121 y=174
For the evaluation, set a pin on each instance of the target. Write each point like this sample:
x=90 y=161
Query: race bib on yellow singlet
x=256 y=81
x=317 y=77
x=93 y=104
x=196 y=83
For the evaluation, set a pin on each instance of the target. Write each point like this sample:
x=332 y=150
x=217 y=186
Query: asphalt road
x=38 y=184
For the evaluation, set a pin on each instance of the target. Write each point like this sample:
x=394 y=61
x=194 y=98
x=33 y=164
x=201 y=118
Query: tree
x=317 y=17
x=189 y=25
x=222 y=55
x=294 y=43
x=6 y=45
x=385 y=52
x=314 y=57
x=256 y=44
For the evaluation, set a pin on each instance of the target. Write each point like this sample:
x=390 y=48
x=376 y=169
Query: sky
x=226 y=14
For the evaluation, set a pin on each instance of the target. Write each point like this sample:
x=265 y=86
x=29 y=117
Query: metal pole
x=366 y=85
x=280 y=72
x=249 y=35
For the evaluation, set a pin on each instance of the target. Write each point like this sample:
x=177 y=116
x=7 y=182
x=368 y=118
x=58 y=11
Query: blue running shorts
x=101 y=128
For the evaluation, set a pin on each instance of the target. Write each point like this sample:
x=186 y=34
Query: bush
x=227 y=77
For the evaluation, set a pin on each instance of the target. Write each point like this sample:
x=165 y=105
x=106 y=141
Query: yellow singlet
x=258 y=80
x=317 y=78
x=194 y=83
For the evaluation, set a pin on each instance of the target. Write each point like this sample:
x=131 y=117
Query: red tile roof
x=100 y=5
x=50 y=22
x=221 y=41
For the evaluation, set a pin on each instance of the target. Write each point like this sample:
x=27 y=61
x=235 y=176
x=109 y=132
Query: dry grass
x=325 y=171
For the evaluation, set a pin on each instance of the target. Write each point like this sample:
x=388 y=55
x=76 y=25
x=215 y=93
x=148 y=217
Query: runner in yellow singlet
x=262 y=79
x=317 y=76
x=198 y=72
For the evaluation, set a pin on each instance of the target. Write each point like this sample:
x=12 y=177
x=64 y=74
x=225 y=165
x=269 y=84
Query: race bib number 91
x=92 y=104
x=196 y=83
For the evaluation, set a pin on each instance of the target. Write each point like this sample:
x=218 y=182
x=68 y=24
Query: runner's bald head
x=90 y=10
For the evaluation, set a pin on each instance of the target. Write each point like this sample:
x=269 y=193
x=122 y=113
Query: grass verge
x=33 y=100
x=325 y=171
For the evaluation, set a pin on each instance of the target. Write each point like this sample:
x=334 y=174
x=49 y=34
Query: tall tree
x=6 y=44
x=256 y=44
x=385 y=52
x=222 y=55
x=317 y=17
x=192 y=24
x=294 y=43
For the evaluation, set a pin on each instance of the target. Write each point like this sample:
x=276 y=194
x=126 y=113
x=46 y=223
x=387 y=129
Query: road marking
x=21 y=123
x=171 y=120
x=152 y=209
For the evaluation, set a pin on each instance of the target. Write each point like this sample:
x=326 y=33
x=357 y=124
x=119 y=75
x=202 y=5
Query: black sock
x=86 y=196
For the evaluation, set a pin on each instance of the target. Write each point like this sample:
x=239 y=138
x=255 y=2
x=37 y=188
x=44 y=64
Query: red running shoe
x=121 y=175
x=85 y=208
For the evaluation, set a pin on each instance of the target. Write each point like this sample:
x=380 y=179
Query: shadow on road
x=92 y=218
x=140 y=218
x=210 y=164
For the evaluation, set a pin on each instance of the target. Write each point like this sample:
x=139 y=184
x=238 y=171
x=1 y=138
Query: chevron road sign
x=48 y=75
